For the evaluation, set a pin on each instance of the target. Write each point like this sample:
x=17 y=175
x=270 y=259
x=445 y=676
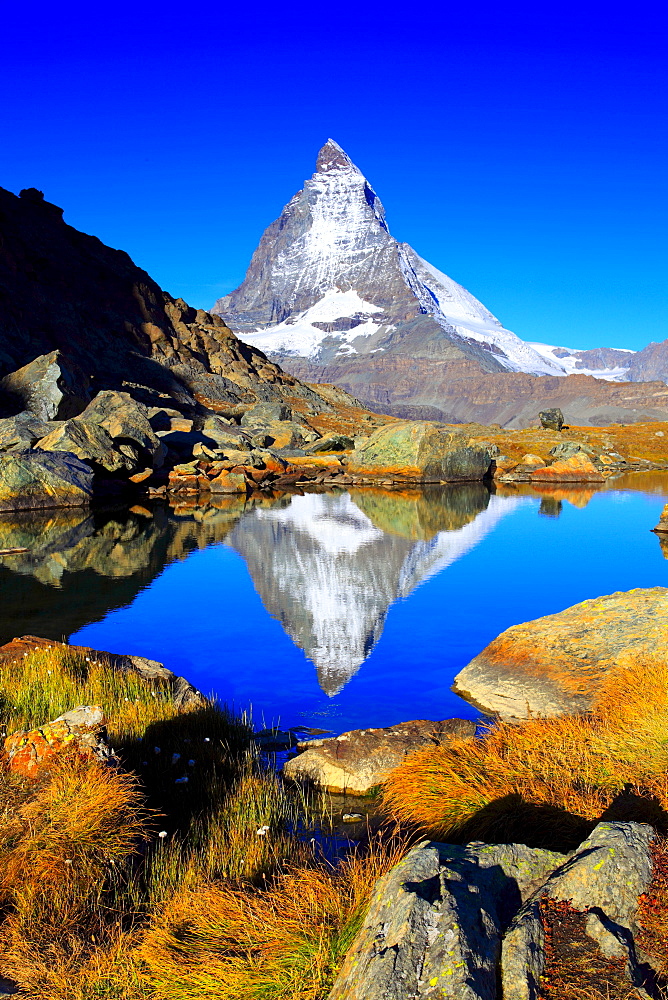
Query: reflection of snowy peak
x=328 y=282
x=329 y=575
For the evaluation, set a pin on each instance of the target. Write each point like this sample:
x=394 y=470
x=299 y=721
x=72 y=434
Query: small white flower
x=88 y=659
x=263 y=831
x=182 y=781
x=206 y=739
x=162 y=834
x=68 y=861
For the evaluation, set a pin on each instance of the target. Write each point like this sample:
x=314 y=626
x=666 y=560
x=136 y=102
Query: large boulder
x=52 y=387
x=434 y=925
x=419 y=451
x=22 y=431
x=34 y=479
x=604 y=879
x=124 y=419
x=552 y=420
x=81 y=731
x=557 y=664
x=358 y=761
x=91 y=443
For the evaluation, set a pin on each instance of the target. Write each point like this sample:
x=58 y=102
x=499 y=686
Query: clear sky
x=519 y=147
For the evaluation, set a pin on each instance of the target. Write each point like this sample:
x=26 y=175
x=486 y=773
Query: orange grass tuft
x=545 y=780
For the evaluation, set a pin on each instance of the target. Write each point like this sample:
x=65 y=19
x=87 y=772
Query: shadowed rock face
x=327 y=569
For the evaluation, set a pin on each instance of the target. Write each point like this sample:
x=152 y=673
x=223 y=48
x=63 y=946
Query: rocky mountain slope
x=335 y=298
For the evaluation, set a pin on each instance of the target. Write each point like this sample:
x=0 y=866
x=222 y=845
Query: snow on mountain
x=328 y=281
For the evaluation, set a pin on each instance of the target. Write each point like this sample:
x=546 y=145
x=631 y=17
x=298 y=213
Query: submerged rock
x=34 y=479
x=435 y=922
x=357 y=761
x=556 y=664
x=419 y=451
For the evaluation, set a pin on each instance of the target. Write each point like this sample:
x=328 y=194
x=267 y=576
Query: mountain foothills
x=333 y=297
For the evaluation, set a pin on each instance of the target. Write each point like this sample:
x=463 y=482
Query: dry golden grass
x=283 y=942
x=546 y=781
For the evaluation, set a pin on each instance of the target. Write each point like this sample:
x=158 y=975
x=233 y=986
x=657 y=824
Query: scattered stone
x=552 y=420
x=557 y=664
x=82 y=730
x=358 y=761
x=419 y=451
x=434 y=925
x=605 y=877
x=566 y=449
x=36 y=479
x=332 y=442
x=264 y=414
x=52 y=387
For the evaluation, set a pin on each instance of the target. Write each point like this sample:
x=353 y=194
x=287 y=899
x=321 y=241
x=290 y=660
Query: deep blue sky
x=520 y=147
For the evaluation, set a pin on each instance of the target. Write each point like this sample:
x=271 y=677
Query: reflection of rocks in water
x=550 y=507
x=576 y=495
x=328 y=567
x=81 y=565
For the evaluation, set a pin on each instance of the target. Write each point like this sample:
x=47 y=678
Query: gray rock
x=52 y=387
x=566 y=449
x=419 y=451
x=605 y=876
x=552 y=420
x=332 y=442
x=22 y=431
x=36 y=479
x=91 y=443
x=435 y=922
x=263 y=414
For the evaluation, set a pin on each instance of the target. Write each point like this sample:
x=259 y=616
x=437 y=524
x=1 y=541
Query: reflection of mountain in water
x=329 y=566
x=80 y=565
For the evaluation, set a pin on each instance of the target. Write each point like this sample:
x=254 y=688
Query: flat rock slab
x=556 y=665
x=435 y=922
x=604 y=878
x=357 y=761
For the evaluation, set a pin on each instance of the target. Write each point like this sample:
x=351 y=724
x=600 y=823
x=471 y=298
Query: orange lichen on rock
x=80 y=732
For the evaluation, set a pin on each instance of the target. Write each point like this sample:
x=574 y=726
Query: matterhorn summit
x=333 y=297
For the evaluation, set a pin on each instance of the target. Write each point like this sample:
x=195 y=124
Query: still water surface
x=332 y=610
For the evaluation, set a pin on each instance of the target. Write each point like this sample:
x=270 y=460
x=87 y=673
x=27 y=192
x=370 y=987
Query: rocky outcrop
x=360 y=760
x=604 y=879
x=23 y=431
x=32 y=480
x=80 y=731
x=435 y=922
x=421 y=452
x=183 y=694
x=557 y=664
x=89 y=442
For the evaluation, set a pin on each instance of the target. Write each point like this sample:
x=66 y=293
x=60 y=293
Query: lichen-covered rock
x=605 y=877
x=36 y=479
x=419 y=451
x=91 y=443
x=52 y=387
x=435 y=922
x=228 y=482
x=22 y=431
x=357 y=761
x=552 y=420
x=579 y=468
x=332 y=442
x=124 y=419
x=264 y=414
x=557 y=664
x=80 y=731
